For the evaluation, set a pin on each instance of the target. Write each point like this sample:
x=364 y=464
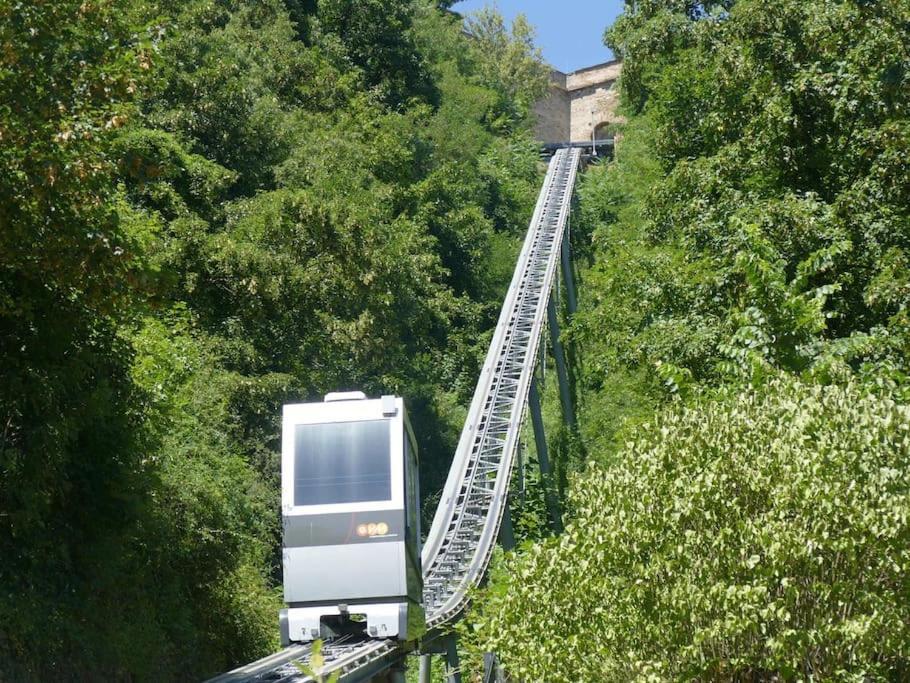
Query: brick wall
x=553 y=116
x=590 y=107
x=577 y=102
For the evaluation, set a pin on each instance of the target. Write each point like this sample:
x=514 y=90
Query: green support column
x=565 y=392
x=542 y=362
x=543 y=458
x=492 y=673
x=521 y=471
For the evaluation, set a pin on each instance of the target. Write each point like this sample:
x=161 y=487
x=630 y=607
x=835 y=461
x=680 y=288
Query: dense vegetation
x=745 y=342
x=211 y=208
x=762 y=533
x=208 y=209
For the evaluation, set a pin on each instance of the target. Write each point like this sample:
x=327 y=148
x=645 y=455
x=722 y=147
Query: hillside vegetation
x=208 y=209
x=745 y=339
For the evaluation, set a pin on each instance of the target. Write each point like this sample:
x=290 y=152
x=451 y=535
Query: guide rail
x=464 y=530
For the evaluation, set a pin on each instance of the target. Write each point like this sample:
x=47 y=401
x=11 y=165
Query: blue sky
x=570 y=32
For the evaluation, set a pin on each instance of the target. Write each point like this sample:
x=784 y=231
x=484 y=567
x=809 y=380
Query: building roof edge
x=609 y=62
x=560 y=79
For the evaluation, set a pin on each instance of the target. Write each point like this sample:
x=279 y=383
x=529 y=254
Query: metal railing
x=470 y=511
x=598 y=147
x=465 y=527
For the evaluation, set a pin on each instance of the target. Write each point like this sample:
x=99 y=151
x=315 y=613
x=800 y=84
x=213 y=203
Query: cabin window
x=342 y=462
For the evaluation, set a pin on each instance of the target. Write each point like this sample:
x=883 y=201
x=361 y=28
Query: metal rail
x=464 y=530
x=467 y=520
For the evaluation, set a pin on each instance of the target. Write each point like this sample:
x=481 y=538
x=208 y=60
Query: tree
x=71 y=267
x=242 y=205
x=508 y=62
x=377 y=37
x=744 y=326
x=757 y=535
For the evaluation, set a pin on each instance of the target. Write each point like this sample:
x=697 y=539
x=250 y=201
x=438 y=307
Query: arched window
x=603 y=131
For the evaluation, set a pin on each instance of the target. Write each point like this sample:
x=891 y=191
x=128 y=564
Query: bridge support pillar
x=542 y=363
x=566 y=256
x=543 y=458
x=492 y=672
x=506 y=530
x=565 y=391
x=424 y=673
x=522 y=458
x=453 y=665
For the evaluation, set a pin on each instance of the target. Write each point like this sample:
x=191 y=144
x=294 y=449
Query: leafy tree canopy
x=745 y=361
x=762 y=534
x=207 y=210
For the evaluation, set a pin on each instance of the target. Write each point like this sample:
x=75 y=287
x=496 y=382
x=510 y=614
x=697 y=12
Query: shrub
x=757 y=535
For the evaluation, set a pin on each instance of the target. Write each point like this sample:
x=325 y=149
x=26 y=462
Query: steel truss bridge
x=473 y=510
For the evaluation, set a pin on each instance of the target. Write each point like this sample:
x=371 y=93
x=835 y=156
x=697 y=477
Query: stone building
x=578 y=103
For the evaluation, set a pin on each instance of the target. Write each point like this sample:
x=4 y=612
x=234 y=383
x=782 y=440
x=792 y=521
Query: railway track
x=467 y=521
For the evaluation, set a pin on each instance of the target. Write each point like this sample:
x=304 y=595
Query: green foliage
x=508 y=62
x=377 y=37
x=778 y=128
x=66 y=247
x=314 y=667
x=648 y=33
x=649 y=321
x=756 y=193
x=72 y=475
x=228 y=78
x=763 y=534
x=748 y=243
x=207 y=210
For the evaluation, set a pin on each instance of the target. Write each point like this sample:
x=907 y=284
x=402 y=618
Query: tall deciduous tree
x=508 y=61
x=746 y=345
x=69 y=74
x=248 y=204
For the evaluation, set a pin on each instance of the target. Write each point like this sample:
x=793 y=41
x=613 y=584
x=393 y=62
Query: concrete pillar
x=543 y=458
x=452 y=663
x=565 y=391
x=426 y=669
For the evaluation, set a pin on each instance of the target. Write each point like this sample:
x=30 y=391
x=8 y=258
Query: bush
x=763 y=534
